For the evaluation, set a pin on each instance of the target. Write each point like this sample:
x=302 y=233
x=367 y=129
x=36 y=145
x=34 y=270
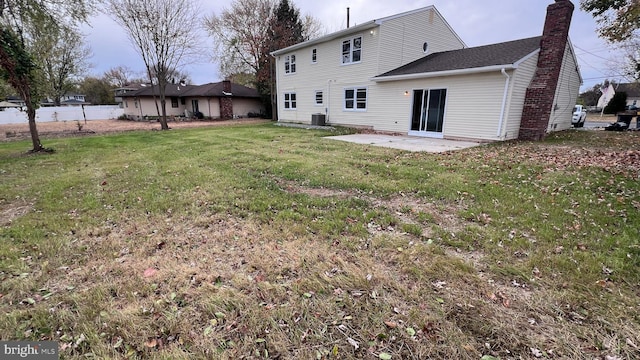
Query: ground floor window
x=290 y=102
x=319 y=97
x=355 y=99
x=174 y=102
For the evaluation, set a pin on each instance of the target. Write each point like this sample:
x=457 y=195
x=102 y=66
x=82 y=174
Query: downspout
x=504 y=104
x=327 y=109
x=274 y=89
x=140 y=104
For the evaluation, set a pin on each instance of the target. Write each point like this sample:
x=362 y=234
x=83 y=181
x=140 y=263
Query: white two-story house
x=412 y=74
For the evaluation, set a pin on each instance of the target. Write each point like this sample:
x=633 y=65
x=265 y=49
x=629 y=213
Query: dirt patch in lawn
x=11 y=132
x=11 y=211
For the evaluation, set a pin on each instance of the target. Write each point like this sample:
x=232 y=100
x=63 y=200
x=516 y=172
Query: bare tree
x=164 y=34
x=312 y=27
x=119 y=76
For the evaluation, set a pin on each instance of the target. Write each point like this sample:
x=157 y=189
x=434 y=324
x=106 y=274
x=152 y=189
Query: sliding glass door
x=427 y=116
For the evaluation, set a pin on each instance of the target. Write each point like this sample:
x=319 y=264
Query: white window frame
x=314 y=56
x=315 y=99
x=290 y=101
x=347 y=50
x=355 y=101
x=290 y=64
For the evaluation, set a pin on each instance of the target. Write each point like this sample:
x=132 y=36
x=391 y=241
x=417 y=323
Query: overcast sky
x=477 y=22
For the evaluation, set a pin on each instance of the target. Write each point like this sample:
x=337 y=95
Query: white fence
x=63 y=113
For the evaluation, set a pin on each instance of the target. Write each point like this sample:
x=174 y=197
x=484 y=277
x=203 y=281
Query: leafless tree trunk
x=164 y=34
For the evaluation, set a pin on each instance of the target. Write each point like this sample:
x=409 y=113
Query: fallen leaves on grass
x=150 y=272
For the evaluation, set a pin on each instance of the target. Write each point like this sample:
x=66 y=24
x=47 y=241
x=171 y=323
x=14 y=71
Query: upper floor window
x=314 y=56
x=355 y=99
x=352 y=50
x=290 y=64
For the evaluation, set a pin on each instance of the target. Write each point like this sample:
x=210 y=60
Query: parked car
x=579 y=116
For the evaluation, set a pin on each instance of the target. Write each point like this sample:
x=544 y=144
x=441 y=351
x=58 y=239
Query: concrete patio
x=408 y=143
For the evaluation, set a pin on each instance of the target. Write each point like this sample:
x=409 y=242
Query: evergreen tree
x=617 y=103
x=285 y=29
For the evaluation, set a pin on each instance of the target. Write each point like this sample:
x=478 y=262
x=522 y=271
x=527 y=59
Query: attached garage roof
x=474 y=58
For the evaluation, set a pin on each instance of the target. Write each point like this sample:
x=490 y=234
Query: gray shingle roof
x=215 y=90
x=505 y=53
x=171 y=90
x=632 y=89
x=206 y=90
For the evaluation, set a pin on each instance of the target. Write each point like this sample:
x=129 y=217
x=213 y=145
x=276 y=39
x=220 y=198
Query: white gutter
x=327 y=110
x=504 y=102
x=338 y=34
x=444 y=73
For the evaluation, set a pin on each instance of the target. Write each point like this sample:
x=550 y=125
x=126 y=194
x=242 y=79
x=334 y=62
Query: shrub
x=617 y=103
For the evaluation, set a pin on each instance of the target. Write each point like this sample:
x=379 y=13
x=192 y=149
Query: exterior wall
x=242 y=107
x=472 y=109
x=147 y=107
x=566 y=92
x=331 y=77
x=401 y=39
x=518 y=88
x=209 y=107
x=327 y=75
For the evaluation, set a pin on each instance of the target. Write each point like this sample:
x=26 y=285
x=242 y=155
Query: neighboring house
x=410 y=73
x=214 y=100
x=119 y=92
x=70 y=99
x=633 y=93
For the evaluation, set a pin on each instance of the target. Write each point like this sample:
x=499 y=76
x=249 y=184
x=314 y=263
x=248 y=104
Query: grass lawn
x=270 y=242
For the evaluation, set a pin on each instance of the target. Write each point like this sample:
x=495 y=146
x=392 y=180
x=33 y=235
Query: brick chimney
x=226 y=104
x=538 y=102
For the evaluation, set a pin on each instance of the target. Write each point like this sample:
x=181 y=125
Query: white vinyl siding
x=518 y=89
x=331 y=77
x=402 y=38
x=566 y=93
x=473 y=104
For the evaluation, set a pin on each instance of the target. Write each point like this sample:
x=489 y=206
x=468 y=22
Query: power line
x=590 y=53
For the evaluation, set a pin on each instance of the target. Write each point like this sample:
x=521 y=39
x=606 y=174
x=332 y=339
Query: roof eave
x=444 y=73
x=338 y=34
